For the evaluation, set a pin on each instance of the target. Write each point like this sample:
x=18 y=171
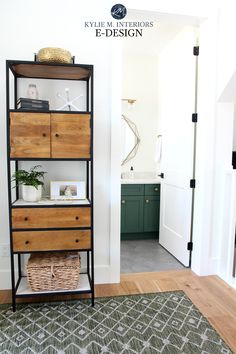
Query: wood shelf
x=25 y=290
x=29 y=69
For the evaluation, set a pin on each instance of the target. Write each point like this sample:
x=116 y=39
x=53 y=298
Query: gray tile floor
x=146 y=256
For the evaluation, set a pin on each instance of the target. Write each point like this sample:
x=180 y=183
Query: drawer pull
x=77 y=218
x=156 y=189
x=57 y=135
x=26 y=219
x=76 y=240
x=147 y=201
x=44 y=134
x=26 y=242
x=123 y=202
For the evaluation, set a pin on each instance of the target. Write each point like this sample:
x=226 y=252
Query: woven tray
x=53 y=271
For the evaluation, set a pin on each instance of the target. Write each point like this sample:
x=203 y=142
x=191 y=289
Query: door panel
x=70 y=135
x=30 y=135
x=177 y=90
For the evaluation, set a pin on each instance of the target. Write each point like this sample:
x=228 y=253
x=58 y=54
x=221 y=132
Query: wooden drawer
x=28 y=241
x=152 y=189
x=33 y=218
x=132 y=189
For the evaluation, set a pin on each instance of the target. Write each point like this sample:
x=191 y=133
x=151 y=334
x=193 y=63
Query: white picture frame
x=67 y=190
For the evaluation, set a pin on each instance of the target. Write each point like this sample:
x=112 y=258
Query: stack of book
x=32 y=104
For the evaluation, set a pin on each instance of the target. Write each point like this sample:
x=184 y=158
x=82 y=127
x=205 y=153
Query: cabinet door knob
x=123 y=201
x=26 y=242
x=76 y=218
x=76 y=240
x=26 y=219
x=156 y=189
x=147 y=200
x=57 y=135
x=44 y=134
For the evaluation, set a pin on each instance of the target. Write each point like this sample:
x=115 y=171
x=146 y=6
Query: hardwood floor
x=212 y=296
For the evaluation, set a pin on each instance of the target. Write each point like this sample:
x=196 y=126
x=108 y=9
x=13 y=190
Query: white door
x=177 y=91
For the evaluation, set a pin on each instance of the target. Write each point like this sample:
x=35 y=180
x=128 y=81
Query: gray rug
x=152 y=323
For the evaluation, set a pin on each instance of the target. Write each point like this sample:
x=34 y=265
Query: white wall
x=26 y=27
x=140 y=82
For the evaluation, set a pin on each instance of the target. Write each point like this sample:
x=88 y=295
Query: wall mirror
x=130 y=140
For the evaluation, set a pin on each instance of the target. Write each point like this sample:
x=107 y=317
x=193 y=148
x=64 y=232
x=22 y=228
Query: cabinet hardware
x=26 y=242
x=156 y=189
x=44 y=134
x=57 y=135
x=77 y=218
x=76 y=240
x=26 y=219
x=147 y=200
x=123 y=202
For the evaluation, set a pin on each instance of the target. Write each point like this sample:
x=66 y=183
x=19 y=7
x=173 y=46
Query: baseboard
x=102 y=276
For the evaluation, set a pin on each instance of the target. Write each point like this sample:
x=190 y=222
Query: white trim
x=115 y=185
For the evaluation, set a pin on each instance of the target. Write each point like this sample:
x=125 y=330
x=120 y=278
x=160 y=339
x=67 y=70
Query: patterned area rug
x=152 y=323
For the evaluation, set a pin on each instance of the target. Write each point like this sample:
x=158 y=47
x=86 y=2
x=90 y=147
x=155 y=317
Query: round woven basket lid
x=54 y=55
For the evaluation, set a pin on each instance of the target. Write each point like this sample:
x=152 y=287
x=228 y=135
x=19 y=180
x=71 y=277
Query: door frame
x=201 y=249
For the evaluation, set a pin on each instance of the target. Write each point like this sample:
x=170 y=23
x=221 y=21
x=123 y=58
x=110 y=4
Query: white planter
x=31 y=194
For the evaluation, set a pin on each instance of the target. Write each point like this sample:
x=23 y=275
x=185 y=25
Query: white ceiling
x=154 y=39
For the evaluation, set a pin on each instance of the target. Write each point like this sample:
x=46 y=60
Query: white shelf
x=45 y=201
x=24 y=288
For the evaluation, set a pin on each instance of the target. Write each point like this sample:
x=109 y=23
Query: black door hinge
x=196 y=50
x=192 y=183
x=189 y=246
x=194 y=117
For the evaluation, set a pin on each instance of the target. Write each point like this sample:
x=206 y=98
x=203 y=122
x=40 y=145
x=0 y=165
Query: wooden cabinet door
x=151 y=214
x=131 y=214
x=30 y=135
x=70 y=135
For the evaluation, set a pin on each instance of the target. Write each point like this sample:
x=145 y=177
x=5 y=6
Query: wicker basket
x=54 y=55
x=53 y=271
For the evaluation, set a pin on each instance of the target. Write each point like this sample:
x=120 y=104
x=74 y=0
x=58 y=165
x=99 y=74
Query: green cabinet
x=140 y=210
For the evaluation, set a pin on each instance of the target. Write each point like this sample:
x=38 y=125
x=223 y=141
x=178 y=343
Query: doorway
x=158 y=93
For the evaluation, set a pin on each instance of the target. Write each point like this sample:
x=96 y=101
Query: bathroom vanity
x=140 y=210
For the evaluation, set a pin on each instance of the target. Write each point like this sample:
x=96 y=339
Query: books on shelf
x=32 y=104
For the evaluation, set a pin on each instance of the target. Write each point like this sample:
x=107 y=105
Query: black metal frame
x=15 y=281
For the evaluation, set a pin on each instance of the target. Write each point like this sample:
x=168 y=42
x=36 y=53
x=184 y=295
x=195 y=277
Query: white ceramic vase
x=31 y=194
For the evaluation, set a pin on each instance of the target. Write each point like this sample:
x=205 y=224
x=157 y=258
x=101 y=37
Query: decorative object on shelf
x=32 y=104
x=32 y=92
x=68 y=102
x=67 y=190
x=54 y=55
x=31 y=182
x=53 y=271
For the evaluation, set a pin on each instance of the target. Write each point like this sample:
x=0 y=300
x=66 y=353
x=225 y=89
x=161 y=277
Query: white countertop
x=140 y=180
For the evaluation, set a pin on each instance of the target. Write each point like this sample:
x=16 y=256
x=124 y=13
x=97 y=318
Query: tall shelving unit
x=49 y=136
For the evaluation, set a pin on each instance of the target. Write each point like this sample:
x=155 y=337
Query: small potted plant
x=31 y=182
